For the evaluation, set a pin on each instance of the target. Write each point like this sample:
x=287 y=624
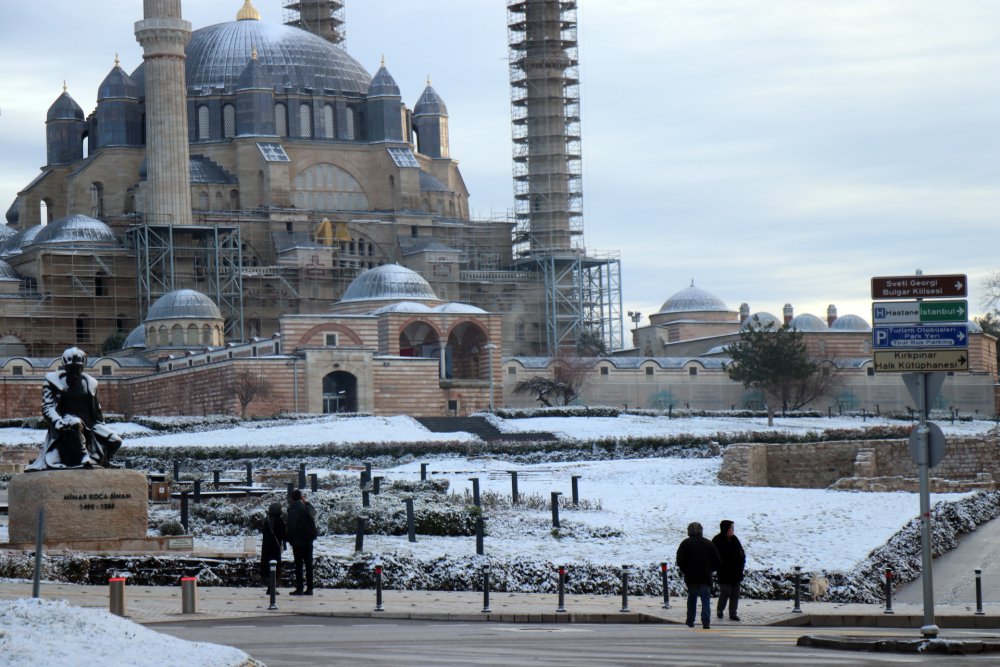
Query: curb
x=896 y=645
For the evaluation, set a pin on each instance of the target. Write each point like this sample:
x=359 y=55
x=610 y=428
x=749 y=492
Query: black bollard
x=798 y=590
x=272 y=585
x=888 y=592
x=377 y=485
x=979 y=592
x=177 y=470
x=479 y=535
x=423 y=472
x=475 y=490
x=302 y=475
x=368 y=473
x=249 y=474
x=289 y=487
x=665 y=576
x=216 y=478
x=313 y=482
x=486 y=590
x=366 y=498
x=362 y=482
x=575 y=479
x=378 y=588
x=184 y=509
x=555 y=508
x=513 y=487
x=197 y=490
x=359 y=534
x=411 y=524
x=561 y=609
x=864 y=415
x=624 y=608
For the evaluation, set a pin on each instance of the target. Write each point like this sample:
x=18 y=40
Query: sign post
x=929 y=629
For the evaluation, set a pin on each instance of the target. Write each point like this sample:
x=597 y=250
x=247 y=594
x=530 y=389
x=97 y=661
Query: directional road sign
x=920 y=361
x=915 y=336
x=919 y=287
x=916 y=312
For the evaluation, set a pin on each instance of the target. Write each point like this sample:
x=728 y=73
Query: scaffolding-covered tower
x=582 y=294
x=324 y=18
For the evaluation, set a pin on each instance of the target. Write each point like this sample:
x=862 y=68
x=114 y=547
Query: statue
x=77 y=435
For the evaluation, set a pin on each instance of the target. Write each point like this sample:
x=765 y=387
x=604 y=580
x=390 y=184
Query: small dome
x=64 y=108
x=184 y=304
x=76 y=230
x=429 y=183
x=764 y=318
x=6 y=233
x=12 y=346
x=807 y=322
x=403 y=307
x=459 y=309
x=974 y=327
x=383 y=85
x=693 y=300
x=13 y=214
x=390 y=281
x=117 y=85
x=7 y=272
x=15 y=244
x=430 y=104
x=850 y=323
x=136 y=338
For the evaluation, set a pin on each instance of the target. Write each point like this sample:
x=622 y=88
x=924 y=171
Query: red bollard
x=888 y=592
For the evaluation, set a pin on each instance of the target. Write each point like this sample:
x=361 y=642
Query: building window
x=305 y=120
x=98 y=286
x=17 y=370
x=203 y=128
x=281 y=120
x=328 y=121
x=649 y=371
x=512 y=370
x=229 y=121
x=871 y=372
x=693 y=370
x=105 y=370
x=330 y=340
x=82 y=329
x=452 y=405
x=350 y=124
x=604 y=370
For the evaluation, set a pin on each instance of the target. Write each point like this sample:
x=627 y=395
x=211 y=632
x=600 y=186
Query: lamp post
x=489 y=347
x=635 y=316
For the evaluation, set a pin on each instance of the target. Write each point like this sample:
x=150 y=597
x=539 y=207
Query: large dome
x=77 y=230
x=693 y=300
x=184 y=304
x=389 y=282
x=295 y=59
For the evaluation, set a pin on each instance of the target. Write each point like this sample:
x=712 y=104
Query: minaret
x=163 y=36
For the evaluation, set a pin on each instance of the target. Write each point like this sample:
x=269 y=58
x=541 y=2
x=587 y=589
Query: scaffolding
x=545 y=117
x=324 y=18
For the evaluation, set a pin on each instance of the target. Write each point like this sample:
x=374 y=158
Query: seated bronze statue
x=77 y=435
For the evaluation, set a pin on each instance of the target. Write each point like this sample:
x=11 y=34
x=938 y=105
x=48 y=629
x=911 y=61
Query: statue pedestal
x=83 y=506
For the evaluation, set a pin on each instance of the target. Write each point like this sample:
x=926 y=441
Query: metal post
x=197 y=490
x=36 y=583
x=479 y=535
x=475 y=490
x=302 y=475
x=666 y=585
x=249 y=474
x=289 y=487
x=624 y=608
x=216 y=478
x=979 y=592
x=575 y=479
x=184 y=509
x=486 y=590
x=798 y=590
x=313 y=482
x=116 y=594
x=411 y=524
x=378 y=588
x=189 y=595
x=888 y=592
x=377 y=485
x=513 y=487
x=177 y=470
x=561 y=609
x=368 y=473
x=272 y=586
x=929 y=628
x=423 y=472
x=359 y=534
x=362 y=482
x=366 y=498
x=555 y=508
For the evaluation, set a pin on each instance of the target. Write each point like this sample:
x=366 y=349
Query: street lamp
x=635 y=316
x=490 y=347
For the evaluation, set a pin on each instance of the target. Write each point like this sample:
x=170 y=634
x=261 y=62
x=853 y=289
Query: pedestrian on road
x=301 y=535
x=697 y=559
x=272 y=543
x=734 y=561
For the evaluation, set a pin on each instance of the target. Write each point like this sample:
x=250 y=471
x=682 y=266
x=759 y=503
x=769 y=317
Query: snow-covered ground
x=45 y=632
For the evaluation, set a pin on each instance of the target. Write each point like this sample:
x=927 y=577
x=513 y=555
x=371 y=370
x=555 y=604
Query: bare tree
x=247 y=386
x=569 y=374
x=991 y=291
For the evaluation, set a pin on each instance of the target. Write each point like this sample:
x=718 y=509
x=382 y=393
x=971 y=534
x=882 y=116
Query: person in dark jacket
x=734 y=561
x=301 y=534
x=272 y=544
x=697 y=559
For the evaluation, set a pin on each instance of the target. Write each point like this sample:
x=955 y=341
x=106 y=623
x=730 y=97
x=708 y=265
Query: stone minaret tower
x=163 y=36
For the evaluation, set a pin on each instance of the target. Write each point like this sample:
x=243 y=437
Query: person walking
x=697 y=559
x=734 y=561
x=272 y=543
x=301 y=534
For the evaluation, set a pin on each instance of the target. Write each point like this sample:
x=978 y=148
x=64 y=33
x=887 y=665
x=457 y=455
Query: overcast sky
x=774 y=151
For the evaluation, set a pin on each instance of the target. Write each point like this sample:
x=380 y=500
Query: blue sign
x=917 y=336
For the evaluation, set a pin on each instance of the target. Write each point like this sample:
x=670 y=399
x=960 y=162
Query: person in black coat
x=272 y=544
x=697 y=559
x=734 y=561
x=301 y=534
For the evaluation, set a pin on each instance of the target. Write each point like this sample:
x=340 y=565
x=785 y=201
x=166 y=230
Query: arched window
x=97 y=200
x=163 y=336
x=305 y=120
x=234 y=200
x=206 y=335
x=218 y=201
x=350 y=124
x=328 y=121
x=229 y=121
x=203 y=200
x=177 y=335
x=192 y=334
x=281 y=120
x=203 y=126
x=82 y=328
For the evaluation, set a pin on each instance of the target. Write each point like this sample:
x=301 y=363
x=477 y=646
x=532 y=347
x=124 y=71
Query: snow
x=53 y=632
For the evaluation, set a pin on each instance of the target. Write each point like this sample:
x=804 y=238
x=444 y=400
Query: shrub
x=171 y=527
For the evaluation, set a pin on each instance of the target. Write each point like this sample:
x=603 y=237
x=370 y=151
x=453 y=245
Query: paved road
x=311 y=641
x=954 y=572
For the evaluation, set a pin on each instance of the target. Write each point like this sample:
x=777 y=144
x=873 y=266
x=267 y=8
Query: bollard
x=359 y=534
x=313 y=482
x=888 y=592
x=36 y=583
x=665 y=576
x=378 y=588
x=513 y=487
x=177 y=470
x=486 y=590
x=798 y=590
x=475 y=490
x=189 y=595
x=272 y=584
x=366 y=498
x=116 y=592
x=289 y=487
x=367 y=474
x=197 y=491
x=423 y=472
x=411 y=524
x=362 y=482
x=216 y=478
x=561 y=609
x=184 y=509
x=479 y=535
x=979 y=592
x=249 y=474
x=377 y=485
x=624 y=609
x=555 y=508
x=575 y=479
x=302 y=475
